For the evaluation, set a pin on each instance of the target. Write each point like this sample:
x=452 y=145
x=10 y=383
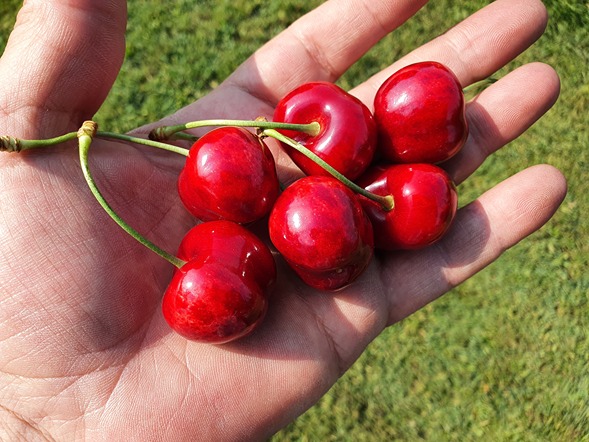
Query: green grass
x=503 y=357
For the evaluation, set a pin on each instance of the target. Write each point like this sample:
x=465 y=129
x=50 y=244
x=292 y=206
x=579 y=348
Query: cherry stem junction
x=167 y=132
x=387 y=202
x=85 y=136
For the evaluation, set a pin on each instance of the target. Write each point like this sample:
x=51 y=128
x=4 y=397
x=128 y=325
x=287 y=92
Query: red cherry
x=206 y=302
x=319 y=227
x=420 y=114
x=232 y=244
x=425 y=204
x=229 y=174
x=347 y=138
x=221 y=293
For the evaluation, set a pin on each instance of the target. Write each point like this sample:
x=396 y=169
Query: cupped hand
x=84 y=350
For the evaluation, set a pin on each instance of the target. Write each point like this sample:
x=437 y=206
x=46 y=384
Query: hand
x=84 y=351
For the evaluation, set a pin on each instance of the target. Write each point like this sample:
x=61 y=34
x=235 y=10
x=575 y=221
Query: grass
x=505 y=356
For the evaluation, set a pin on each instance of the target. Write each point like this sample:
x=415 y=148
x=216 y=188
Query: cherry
x=238 y=248
x=221 y=293
x=229 y=174
x=206 y=302
x=425 y=204
x=420 y=114
x=319 y=227
x=347 y=134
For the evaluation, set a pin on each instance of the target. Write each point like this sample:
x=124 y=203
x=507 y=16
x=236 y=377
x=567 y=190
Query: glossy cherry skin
x=206 y=302
x=221 y=294
x=319 y=227
x=239 y=249
x=420 y=115
x=229 y=174
x=347 y=139
x=425 y=198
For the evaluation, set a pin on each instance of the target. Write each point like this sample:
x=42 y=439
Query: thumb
x=59 y=64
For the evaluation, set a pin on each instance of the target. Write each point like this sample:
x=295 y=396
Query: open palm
x=84 y=350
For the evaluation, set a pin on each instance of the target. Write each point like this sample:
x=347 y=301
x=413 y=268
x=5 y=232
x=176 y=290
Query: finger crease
x=458 y=42
x=315 y=54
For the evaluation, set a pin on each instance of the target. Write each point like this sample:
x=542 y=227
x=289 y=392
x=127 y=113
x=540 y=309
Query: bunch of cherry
x=371 y=182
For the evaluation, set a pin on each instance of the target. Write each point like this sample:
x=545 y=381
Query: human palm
x=84 y=350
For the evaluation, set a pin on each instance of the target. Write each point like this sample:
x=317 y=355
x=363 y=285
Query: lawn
x=505 y=356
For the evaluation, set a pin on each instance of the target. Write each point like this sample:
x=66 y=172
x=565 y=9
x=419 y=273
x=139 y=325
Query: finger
x=59 y=64
x=321 y=45
x=482 y=231
x=478 y=46
x=503 y=112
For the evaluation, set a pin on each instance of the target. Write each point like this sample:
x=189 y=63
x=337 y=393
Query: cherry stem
x=11 y=144
x=166 y=132
x=183 y=136
x=85 y=136
x=387 y=202
x=145 y=142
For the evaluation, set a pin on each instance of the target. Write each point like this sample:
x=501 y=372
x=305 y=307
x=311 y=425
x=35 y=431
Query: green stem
x=143 y=141
x=165 y=132
x=183 y=136
x=84 y=141
x=11 y=144
x=386 y=202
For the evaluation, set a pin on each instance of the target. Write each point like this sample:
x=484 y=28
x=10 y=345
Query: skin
x=84 y=350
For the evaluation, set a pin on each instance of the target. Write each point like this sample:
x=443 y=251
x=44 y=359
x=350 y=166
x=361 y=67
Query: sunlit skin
x=85 y=353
